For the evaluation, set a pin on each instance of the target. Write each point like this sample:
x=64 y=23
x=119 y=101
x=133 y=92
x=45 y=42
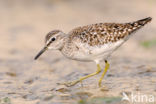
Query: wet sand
x=25 y=81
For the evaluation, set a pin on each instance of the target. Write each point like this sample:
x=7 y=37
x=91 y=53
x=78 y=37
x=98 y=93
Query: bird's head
x=53 y=40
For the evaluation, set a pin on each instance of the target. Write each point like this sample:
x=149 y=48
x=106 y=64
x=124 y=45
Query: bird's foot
x=69 y=84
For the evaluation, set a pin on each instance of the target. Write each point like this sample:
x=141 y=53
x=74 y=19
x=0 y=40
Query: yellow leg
x=68 y=84
x=103 y=74
x=90 y=75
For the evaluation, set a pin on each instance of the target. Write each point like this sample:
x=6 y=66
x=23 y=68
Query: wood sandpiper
x=94 y=42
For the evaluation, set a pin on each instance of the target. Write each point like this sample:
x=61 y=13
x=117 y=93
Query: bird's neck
x=63 y=42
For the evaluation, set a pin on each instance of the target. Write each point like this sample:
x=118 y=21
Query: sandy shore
x=25 y=81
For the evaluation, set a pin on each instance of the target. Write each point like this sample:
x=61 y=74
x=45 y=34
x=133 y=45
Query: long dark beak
x=40 y=53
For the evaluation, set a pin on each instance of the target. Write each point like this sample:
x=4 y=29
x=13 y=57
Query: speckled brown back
x=102 y=33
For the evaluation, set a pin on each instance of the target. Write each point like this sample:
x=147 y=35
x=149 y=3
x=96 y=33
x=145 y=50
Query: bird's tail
x=138 y=24
x=144 y=21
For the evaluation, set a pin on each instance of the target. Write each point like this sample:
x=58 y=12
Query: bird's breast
x=85 y=52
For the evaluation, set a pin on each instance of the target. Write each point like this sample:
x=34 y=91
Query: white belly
x=88 y=53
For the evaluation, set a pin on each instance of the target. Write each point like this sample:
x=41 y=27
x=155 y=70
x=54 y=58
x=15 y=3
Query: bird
x=91 y=43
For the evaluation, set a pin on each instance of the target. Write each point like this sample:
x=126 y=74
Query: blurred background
x=23 y=26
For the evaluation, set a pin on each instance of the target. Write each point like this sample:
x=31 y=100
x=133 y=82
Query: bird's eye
x=53 y=39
